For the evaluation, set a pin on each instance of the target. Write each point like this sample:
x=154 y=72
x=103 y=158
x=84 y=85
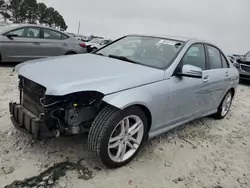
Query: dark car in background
x=243 y=65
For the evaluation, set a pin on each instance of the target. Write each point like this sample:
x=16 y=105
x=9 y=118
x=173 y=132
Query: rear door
x=218 y=72
x=53 y=43
x=24 y=46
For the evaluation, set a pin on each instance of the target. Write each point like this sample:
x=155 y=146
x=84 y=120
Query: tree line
x=29 y=11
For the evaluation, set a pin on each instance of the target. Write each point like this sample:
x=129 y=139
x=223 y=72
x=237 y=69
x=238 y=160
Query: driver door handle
x=227 y=74
x=36 y=43
x=205 y=79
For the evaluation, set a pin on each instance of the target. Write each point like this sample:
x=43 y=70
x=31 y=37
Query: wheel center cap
x=126 y=138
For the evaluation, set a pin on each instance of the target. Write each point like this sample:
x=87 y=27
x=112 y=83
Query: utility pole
x=79 y=24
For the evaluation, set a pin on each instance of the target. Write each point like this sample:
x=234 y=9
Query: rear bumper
x=27 y=122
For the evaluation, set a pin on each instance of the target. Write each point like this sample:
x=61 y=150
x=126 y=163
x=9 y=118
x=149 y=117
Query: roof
x=35 y=25
x=180 y=38
x=26 y=24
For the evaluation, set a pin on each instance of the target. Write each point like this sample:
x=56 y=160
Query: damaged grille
x=31 y=93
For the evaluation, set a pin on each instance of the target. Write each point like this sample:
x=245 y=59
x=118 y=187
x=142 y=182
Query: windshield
x=247 y=54
x=7 y=27
x=149 y=51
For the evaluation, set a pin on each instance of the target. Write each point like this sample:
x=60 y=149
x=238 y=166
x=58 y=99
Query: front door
x=24 y=45
x=190 y=97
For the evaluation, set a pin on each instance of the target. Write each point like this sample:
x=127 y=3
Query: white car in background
x=96 y=44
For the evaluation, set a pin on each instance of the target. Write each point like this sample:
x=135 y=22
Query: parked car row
x=133 y=89
x=22 y=42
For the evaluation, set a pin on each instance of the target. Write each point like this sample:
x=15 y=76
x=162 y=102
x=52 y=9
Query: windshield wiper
x=123 y=58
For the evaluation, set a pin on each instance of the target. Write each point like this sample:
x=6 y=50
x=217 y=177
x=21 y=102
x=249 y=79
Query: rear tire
x=224 y=107
x=113 y=136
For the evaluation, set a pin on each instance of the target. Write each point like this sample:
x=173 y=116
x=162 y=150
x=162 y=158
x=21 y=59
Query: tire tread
x=99 y=127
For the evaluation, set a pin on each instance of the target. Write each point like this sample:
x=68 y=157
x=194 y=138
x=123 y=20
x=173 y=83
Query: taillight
x=83 y=45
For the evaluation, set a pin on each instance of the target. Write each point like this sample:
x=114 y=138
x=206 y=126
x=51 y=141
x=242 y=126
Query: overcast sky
x=223 y=22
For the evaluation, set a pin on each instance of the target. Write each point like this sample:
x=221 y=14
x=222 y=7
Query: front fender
x=128 y=98
x=152 y=96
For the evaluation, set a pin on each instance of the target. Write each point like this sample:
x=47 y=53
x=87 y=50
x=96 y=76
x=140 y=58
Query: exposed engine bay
x=69 y=114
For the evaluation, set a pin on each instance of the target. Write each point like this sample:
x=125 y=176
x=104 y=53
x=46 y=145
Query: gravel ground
x=204 y=153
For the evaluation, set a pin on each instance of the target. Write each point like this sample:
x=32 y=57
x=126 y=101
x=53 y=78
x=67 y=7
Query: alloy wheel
x=125 y=138
x=226 y=104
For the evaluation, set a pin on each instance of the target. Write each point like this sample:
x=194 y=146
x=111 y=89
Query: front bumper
x=27 y=122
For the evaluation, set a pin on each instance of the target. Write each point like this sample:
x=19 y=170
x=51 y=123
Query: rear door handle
x=65 y=44
x=227 y=74
x=205 y=79
x=36 y=43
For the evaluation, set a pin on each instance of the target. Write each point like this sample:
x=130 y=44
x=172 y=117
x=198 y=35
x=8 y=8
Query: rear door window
x=51 y=34
x=214 y=57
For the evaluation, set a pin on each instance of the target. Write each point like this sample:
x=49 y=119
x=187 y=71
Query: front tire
x=225 y=105
x=116 y=136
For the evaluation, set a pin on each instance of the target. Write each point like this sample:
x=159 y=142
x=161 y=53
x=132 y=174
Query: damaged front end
x=46 y=116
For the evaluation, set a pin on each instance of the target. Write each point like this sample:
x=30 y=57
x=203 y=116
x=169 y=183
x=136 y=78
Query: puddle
x=47 y=178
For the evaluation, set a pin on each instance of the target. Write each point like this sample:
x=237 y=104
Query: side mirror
x=190 y=71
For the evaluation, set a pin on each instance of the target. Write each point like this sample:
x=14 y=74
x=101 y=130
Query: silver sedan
x=22 y=42
x=133 y=89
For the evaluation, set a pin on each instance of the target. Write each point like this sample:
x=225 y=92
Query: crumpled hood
x=87 y=72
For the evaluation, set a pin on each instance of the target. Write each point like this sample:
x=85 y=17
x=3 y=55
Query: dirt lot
x=204 y=153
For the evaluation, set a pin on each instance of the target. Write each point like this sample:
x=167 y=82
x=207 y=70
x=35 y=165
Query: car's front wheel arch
x=147 y=113
x=142 y=106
